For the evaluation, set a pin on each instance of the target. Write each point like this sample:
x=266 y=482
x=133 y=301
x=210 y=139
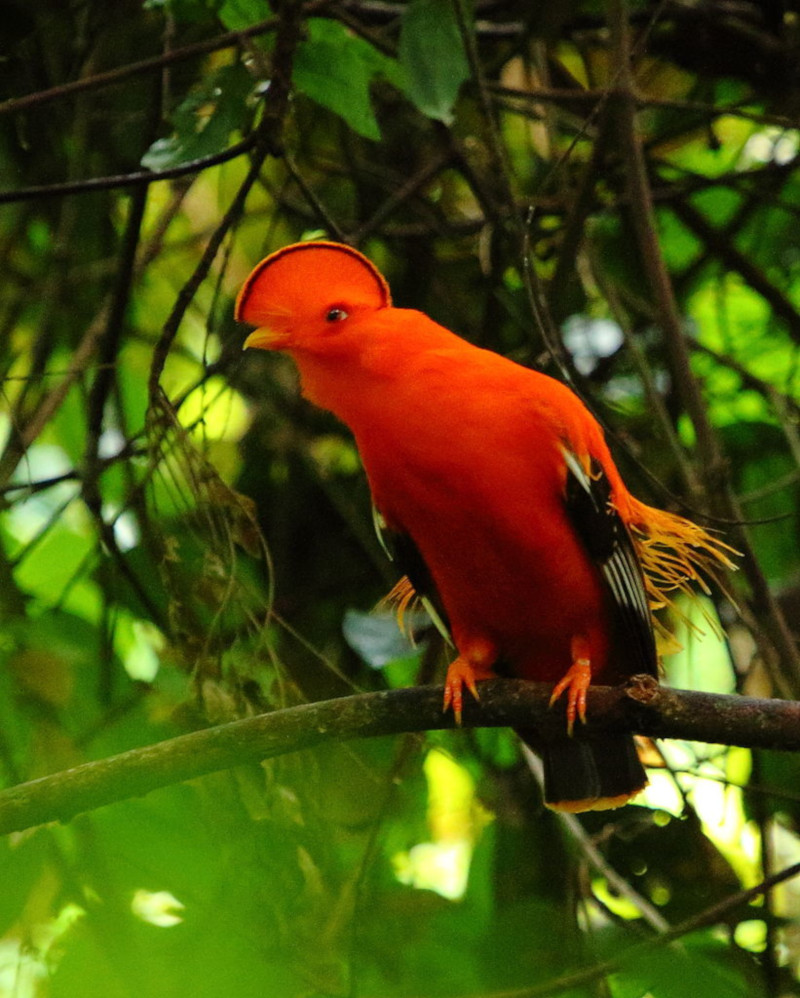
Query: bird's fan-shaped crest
x=284 y=282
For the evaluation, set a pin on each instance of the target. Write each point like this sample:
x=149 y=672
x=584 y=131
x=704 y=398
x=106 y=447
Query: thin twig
x=718 y=244
x=157 y=62
x=595 y=857
x=137 y=179
x=710 y=916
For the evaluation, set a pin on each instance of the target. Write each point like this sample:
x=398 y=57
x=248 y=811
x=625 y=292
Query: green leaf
x=663 y=973
x=336 y=69
x=204 y=121
x=239 y=14
x=55 y=567
x=197 y=844
x=23 y=868
x=432 y=53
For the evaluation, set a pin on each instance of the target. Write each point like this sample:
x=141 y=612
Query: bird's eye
x=336 y=315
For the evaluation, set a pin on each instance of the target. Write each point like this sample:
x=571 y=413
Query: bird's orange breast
x=482 y=498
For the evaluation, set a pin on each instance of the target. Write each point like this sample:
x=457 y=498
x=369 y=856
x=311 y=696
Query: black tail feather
x=588 y=774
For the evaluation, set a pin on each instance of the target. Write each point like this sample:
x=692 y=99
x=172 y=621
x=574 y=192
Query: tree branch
x=158 y=62
x=269 y=141
x=642 y=706
x=713 y=915
x=140 y=178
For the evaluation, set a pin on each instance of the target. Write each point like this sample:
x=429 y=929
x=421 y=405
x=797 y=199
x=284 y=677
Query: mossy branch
x=641 y=706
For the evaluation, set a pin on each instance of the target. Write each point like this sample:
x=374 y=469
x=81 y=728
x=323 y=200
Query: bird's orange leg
x=473 y=664
x=576 y=681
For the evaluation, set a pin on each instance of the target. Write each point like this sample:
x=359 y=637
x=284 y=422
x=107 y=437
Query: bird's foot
x=466 y=670
x=576 y=681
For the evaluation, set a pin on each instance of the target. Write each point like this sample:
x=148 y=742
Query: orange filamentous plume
x=676 y=556
x=402 y=597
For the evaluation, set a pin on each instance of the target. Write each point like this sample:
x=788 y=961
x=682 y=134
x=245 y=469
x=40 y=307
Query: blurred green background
x=607 y=190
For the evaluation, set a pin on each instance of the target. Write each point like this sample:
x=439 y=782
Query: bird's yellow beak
x=263 y=339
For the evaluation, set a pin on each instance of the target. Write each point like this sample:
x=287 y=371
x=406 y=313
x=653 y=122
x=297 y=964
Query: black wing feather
x=610 y=546
x=401 y=549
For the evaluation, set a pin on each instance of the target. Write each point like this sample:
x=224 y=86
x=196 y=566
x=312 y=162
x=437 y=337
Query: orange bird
x=495 y=488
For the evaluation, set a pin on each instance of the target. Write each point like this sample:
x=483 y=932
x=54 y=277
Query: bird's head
x=306 y=296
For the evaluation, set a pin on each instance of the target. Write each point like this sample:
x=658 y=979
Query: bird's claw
x=576 y=681
x=461 y=673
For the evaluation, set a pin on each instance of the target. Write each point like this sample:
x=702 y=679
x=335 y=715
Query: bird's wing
x=609 y=544
x=401 y=549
